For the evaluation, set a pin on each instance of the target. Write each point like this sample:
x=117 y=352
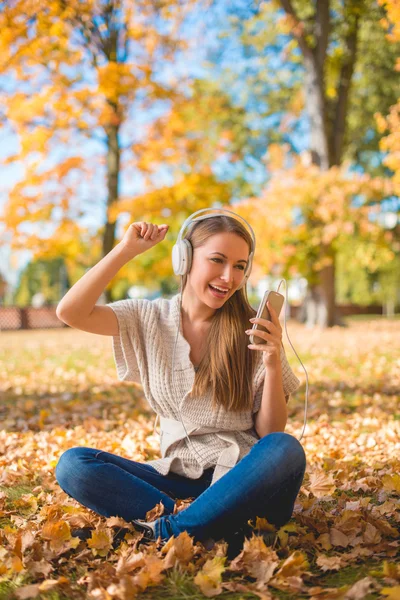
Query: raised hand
x=142 y=236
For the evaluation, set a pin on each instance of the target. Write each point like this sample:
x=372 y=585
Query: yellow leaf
x=294 y=565
x=100 y=542
x=57 y=533
x=392 y=593
x=321 y=484
x=391 y=482
x=209 y=579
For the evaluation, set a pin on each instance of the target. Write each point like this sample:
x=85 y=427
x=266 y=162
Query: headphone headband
x=190 y=219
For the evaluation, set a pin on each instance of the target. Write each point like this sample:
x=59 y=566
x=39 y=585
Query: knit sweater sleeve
x=289 y=379
x=126 y=345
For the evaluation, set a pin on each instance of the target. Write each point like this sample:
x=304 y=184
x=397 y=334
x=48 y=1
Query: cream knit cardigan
x=143 y=352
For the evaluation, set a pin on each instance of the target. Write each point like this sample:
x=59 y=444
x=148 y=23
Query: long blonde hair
x=228 y=364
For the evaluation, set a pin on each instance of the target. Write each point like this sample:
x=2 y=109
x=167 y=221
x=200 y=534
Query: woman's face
x=225 y=272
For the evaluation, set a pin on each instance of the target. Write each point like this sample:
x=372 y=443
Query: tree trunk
x=113 y=166
x=316 y=112
x=322 y=309
x=326 y=141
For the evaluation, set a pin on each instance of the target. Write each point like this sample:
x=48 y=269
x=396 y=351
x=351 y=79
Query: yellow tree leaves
x=392 y=24
x=76 y=70
x=391 y=142
x=303 y=210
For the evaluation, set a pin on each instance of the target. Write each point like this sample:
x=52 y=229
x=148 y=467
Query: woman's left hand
x=272 y=350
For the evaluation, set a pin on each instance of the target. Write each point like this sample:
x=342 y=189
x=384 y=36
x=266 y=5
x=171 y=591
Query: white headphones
x=182 y=252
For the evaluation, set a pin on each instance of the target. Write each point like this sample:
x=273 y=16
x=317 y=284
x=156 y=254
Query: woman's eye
x=241 y=267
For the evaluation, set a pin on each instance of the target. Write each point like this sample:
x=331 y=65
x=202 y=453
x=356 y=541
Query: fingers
x=150 y=231
x=272 y=328
x=261 y=334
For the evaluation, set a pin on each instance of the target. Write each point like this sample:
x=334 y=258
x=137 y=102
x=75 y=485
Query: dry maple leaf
x=129 y=561
x=209 y=579
x=179 y=550
x=58 y=533
x=323 y=541
x=254 y=550
x=262 y=524
x=151 y=573
x=100 y=542
x=391 y=482
x=263 y=572
x=371 y=535
x=338 y=538
x=350 y=521
x=321 y=484
x=295 y=564
x=156 y=512
x=329 y=563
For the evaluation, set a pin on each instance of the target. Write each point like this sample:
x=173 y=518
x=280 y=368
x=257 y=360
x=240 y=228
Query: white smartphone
x=276 y=301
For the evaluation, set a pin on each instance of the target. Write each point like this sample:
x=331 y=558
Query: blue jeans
x=263 y=483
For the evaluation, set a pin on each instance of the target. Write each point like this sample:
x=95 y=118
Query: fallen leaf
x=209 y=579
x=329 y=563
x=392 y=593
x=100 y=542
x=321 y=484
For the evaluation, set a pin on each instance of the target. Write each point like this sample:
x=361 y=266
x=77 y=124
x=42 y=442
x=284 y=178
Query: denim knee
x=291 y=449
x=70 y=465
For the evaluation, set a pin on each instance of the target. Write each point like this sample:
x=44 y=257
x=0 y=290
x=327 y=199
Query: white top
x=143 y=352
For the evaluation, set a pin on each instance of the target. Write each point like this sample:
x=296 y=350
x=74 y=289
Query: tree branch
x=346 y=74
x=322 y=26
x=298 y=27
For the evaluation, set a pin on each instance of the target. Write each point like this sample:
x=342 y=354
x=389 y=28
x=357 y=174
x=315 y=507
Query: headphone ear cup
x=182 y=257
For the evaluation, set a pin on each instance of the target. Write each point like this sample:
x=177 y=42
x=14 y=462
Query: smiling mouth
x=217 y=291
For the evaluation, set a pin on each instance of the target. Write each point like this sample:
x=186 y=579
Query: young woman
x=221 y=402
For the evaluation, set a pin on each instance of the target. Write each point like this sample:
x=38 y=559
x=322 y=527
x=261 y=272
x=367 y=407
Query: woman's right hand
x=142 y=236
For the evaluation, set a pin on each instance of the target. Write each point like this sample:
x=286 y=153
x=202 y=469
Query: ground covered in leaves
x=59 y=389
